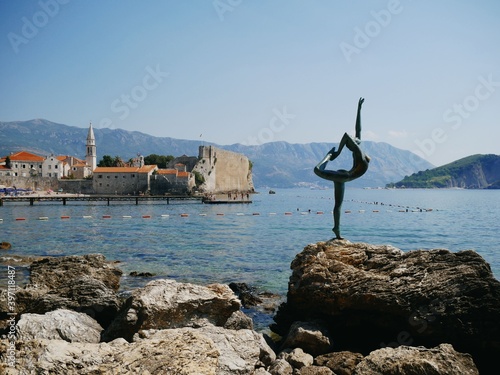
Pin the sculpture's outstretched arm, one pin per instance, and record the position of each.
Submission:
(358, 119)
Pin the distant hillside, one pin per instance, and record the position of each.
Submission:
(472, 172)
(275, 164)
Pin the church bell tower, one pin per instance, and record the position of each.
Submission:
(91, 156)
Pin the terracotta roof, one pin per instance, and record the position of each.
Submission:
(167, 171)
(183, 174)
(144, 169)
(25, 156)
(4, 168)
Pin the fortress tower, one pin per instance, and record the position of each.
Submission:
(91, 155)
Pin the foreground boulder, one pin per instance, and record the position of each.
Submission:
(61, 324)
(207, 350)
(55, 272)
(85, 284)
(405, 360)
(165, 304)
(375, 296)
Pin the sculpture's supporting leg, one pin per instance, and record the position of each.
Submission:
(339, 197)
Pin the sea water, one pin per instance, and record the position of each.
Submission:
(252, 243)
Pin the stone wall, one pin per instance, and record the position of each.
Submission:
(34, 183)
(77, 186)
(175, 185)
(223, 170)
(188, 161)
(121, 183)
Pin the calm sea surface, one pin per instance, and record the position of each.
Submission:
(231, 243)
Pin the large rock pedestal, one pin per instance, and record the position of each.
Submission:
(369, 297)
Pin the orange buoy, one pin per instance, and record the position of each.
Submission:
(64, 217)
(20, 218)
(106, 216)
(288, 213)
(184, 215)
(146, 216)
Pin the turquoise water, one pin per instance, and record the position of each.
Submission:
(230, 243)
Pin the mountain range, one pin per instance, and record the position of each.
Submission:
(275, 164)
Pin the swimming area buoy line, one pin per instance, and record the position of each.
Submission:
(221, 214)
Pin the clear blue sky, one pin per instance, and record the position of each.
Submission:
(241, 71)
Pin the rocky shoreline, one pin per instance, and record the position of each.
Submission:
(351, 308)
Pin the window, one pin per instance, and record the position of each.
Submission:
(99, 176)
(50, 166)
(24, 166)
(55, 166)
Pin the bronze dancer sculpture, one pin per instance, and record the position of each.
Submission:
(341, 176)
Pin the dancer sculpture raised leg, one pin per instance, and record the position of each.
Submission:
(341, 176)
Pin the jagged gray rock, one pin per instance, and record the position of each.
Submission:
(61, 324)
(168, 304)
(83, 294)
(238, 320)
(281, 367)
(316, 370)
(312, 337)
(176, 352)
(373, 296)
(85, 283)
(406, 360)
(55, 272)
(207, 350)
(341, 363)
(297, 358)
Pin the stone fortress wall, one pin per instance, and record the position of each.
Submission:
(31, 182)
(224, 171)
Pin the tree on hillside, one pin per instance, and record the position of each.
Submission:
(119, 162)
(160, 160)
(108, 161)
(8, 163)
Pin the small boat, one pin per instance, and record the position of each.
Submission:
(272, 192)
